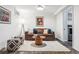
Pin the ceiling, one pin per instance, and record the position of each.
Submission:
(48, 8)
(51, 9)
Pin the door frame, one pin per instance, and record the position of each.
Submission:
(72, 24)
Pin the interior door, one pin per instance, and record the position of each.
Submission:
(65, 27)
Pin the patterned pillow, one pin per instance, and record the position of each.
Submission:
(12, 45)
(45, 31)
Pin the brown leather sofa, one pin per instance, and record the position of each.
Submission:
(48, 37)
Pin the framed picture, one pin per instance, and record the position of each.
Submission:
(39, 21)
(5, 15)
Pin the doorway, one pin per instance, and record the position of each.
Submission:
(68, 25)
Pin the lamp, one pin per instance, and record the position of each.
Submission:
(21, 21)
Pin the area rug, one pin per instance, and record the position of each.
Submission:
(50, 46)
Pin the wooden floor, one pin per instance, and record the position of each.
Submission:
(73, 51)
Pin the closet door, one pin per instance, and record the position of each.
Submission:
(67, 22)
(65, 28)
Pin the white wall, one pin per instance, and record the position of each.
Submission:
(59, 26)
(10, 30)
(76, 28)
(30, 19)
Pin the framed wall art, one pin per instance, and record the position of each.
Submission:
(40, 21)
(5, 15)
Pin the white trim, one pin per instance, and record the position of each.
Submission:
(72, 25)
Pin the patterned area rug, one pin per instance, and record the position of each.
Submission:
(48, 46)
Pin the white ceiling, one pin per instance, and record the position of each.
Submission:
(48, 8)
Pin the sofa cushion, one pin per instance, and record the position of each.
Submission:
(49, 31)
(35, 31)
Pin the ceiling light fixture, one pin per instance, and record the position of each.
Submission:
(40, 7)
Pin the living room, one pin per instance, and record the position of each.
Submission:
(31, 21)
